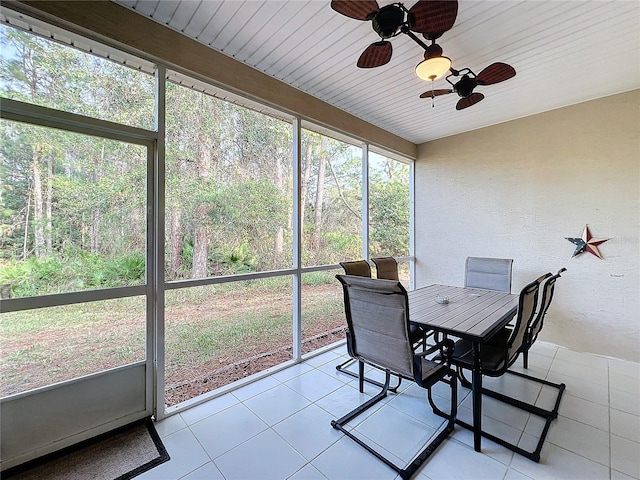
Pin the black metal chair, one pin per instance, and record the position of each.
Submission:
(497, 356)
(536, 325)
(547, 281)
(503, 335)
(377, 314)
(360, 268)
(533, 329)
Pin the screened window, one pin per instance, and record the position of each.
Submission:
(388, 207)
(76, 220)
(331, 196)
(229, 188)
(73, 211)
(43, 346)
(43, 72)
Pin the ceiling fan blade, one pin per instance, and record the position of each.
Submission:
(470, 100)
(435, 93)
(434, 17)
(360, 10)
(495, 73)
(375, 55)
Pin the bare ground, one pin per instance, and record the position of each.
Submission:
(58, 351)
(201, 383)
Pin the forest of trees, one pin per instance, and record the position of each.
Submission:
(73, 210)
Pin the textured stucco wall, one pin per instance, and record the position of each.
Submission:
(518, 189)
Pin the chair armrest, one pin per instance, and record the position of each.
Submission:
(445, 347)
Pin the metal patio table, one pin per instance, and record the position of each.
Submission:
(472, 314)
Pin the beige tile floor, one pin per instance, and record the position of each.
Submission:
(279, 427)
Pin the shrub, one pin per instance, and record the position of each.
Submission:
(52, 274)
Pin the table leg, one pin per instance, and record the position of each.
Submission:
(476, 392)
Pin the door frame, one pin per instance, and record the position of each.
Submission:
(46, 419)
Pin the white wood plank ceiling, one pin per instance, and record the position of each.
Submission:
(564, 52)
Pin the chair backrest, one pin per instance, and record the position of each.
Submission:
(377, 314)
(386, 268)
(488, 273)
(526, 309)
(361, 268)
(547, 295)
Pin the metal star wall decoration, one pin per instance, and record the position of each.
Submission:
(586, 243)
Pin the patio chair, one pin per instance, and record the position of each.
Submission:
(547, 282)
(496, 358)
(360, 268)
(536, 325)
(378, 318)
(387, 268)
(503, 335)
(488, 273)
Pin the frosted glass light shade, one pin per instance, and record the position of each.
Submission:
(433, 68)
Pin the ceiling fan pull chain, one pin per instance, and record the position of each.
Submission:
(433, 96)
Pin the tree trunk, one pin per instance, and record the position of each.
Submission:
(317, 219)
(304, 188)
(279, 242)
(175, 226)
(26, 227)
(201, 235)
(49, 202)
(389, 169)
(175, 262)
(38, 207)
(95, 214)
(200, 244)
(94, 231)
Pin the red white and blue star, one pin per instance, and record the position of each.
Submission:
(586, 243)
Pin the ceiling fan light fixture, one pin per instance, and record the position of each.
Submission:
(433, 68)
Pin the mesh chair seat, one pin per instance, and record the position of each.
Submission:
(387, 268)
(533, 329)
(510, 349)
(491, 356)
(361, 268)
(538, 321)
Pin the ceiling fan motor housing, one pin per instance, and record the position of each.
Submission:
(434, 50)
(388, 20)
(464, 87)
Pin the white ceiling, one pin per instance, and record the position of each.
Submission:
(564, 52)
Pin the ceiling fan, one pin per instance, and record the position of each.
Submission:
(431, 19)
(494, 73)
